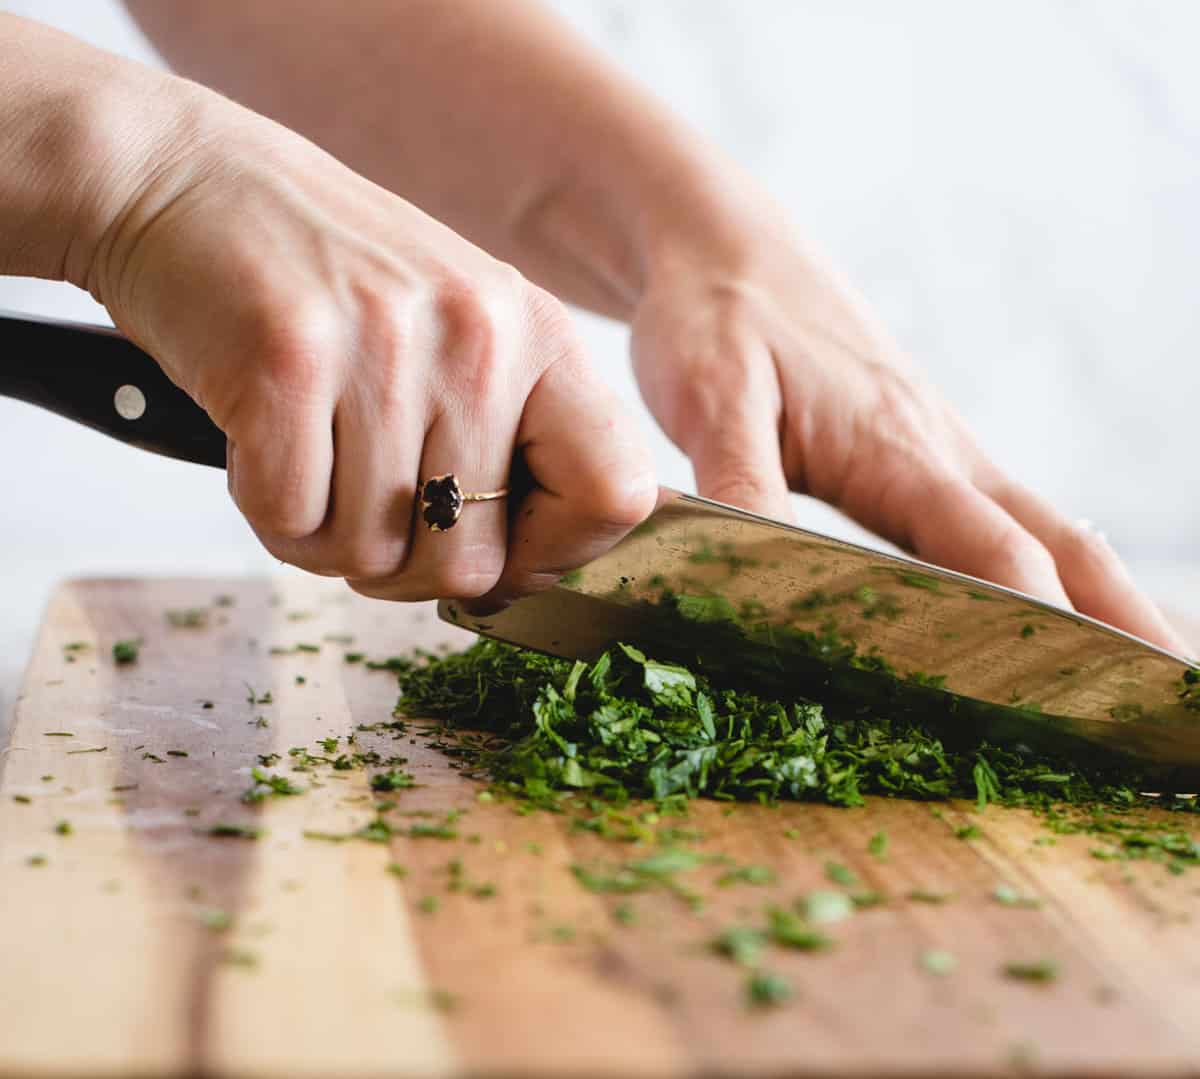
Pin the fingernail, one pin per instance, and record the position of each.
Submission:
(483, 607)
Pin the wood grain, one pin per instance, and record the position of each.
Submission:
(107, 967)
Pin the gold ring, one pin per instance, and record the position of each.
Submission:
(442, 501)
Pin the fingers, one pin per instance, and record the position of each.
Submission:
(737, 461)
(280, 470)
(375, 442)
(730, 428)
(594, 481)
(367, 531)
(475, 378)
(1094, 576)
(946, 520)
(464, 561)
(455, 400)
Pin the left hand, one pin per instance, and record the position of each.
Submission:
(767, 372)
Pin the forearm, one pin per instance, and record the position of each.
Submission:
(492, 116)
(75, 135)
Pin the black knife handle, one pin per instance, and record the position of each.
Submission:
(94, 376)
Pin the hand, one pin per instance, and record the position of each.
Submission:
(766, 371)
(349, 346)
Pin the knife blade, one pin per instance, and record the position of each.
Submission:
(780, 608)
(753, 599)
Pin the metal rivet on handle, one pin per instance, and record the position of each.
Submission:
(130, 403)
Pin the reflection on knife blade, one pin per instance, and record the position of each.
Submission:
(768, 604)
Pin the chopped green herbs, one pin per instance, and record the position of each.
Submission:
(215, 919)
(820, 907)
(658, 871)
(279, 650)
(393, 780)
(788, 930)
(840, 874)
(919, 580)
(188, 618)
(64, 827)
(741, 943)
(239, 957)
(254, 697)
(938, 962)
(267, 784)
(1010, 897)
(233, 831)
(629, 727)
(1041, 970)
(747, 874)
(920, 895)
(868, 899)
(625, 914)
(425, 830)
(622, 744)
(125, 652)
(764, 989)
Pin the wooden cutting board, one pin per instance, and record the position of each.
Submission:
(113, 962)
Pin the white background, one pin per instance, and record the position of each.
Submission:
(1014, 183)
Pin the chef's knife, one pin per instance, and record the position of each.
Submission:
(751, 599)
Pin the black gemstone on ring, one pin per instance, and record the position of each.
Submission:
(441, 502)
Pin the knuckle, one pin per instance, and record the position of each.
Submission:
(461, 306)
(292, 344)
(733, 301)
(731, 387)
(473, 327)
(738, 484)
(390, 330)
(1015, 550)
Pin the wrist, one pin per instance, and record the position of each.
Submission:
(714, 222)
(603, 239)
(75, 147)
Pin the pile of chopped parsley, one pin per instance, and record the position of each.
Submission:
(627, 727)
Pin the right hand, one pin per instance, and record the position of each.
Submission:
(350, 346)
